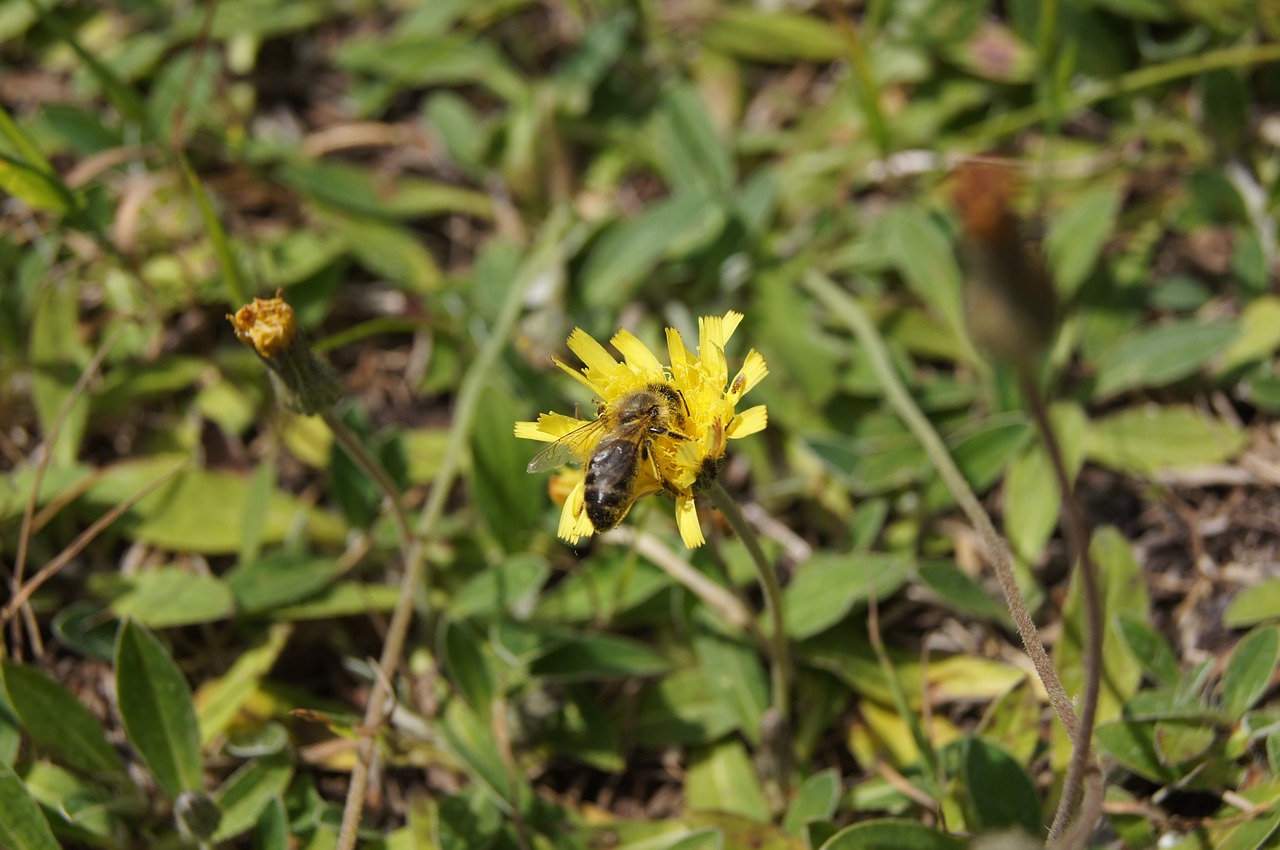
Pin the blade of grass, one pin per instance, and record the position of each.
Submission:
(237, 292)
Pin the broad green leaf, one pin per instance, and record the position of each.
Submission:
(1153, 356)
(156, 707)
(922, 253)
(358, 190)
(468, 666)
(1259, 334)
(702, 839)
(828, 586)
(999, 791)
(1032, 497)
(346, 599)
(58, 482)
(262, 483)
(1249, 672)
(1150, 647)
(392, 251)
(272, 829)
(1253, 605)
(471, 740)
(174, 596)
(58, 358)
(82, 812)
(612, 585)
(957, 591)
(982, 452)
(816, 800)
(1132, 744)
(509, 499)
(682, 708)
(490, 592)
(889, 834)
(733, 667)
(691, 153)
(40, 190)
(200, 509)
(721, 778)
(278, 579)
(249, 791)
(219, 700)
(600, 656)
(58, 723)
(772, 36)
(1146, 440)
(1181, 741)
(626, 254)
(1077, 234)
(23, 826)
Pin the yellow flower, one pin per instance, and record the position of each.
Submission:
(682, 438)
(267, 325)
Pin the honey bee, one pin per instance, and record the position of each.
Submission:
(621, 437)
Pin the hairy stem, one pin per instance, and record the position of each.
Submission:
(1076, 530)
(851, 313)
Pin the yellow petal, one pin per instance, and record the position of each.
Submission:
(680, 355)
(748, 422)
(574, 522)
(731, 321)
(592, 354)
(549, 427)
(752, 372)
(687, 522)
(636, 353)
(583, 379)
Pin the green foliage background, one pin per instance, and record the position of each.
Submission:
(409, 175)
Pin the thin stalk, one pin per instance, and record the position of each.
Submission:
(360, 456)
(851, 313)
(780, 653)
(554, 239)
(1076, 529)
(867, 86)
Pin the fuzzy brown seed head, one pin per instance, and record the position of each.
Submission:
(305, 383)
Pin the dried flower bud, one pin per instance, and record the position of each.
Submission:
(1009, 301)
(305, 383)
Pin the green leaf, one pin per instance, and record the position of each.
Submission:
(999, 791)
(490, 592)
(156, 707)
(59, 723)
(1032, 497)
(1259, 334)
(1254, 605)
(471, 741)
(1159, 355)
(1077, 234)
(982, 451)
(733, 667)
(1146, 440)
(509, 499)
(682, 708)
(272, 830)
(691, 153)
(1250, 669)
(249, 791)
(37, 189)
(1132, 744)
(200, 509)
(468, 666)
(922, 253)
(626, 254)
(826, 588)
(221, 699)
(174, 596)
(278, 579)
(889, 834)
(59, 357)
(345, 599)
(721, 778)
(1151, 648)
(237, 292)
(957, 591)
(600, 656)
(772, 36)
(816, 800)
(23, 826)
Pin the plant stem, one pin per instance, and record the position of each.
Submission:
(851, 313)
(1076, 529)
(555, 239)
(369, 465)
(780, 654)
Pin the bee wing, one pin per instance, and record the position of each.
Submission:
(568, 448)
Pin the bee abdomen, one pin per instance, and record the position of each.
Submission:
(609, 485)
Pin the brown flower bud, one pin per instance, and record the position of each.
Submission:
(304, 382)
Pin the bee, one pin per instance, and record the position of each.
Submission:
(621, 437)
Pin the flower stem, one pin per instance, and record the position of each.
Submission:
(851, 313)
(780, 667)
